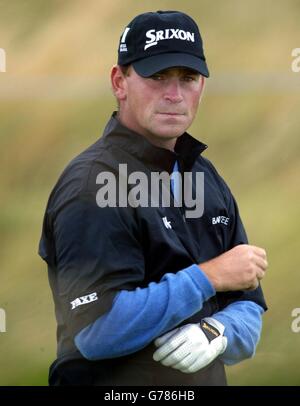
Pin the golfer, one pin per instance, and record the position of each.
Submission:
(151, 289)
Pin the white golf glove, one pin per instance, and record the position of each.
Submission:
(191, 347)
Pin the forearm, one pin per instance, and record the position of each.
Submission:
(139, 316)
(243, 323)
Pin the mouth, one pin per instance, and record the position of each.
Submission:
(173, 114)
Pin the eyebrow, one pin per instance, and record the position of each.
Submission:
(181, 70)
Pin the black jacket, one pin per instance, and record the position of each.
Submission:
(104, 250)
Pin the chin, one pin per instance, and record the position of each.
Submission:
(174, 132)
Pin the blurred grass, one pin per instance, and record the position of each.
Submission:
(252, 133)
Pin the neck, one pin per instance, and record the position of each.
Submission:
(161, 143)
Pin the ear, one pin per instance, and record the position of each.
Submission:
(202, 86)
(202, 82)
(118, 83)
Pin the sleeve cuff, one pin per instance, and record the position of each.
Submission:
(215, 323)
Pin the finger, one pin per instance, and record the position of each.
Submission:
(260, 274)
(191, 358)
(200, 362)
(162, 339)
(161, 353)
(254, 285)
(259, 251)
(176, 356)
(261, 262)
(212, 350)
(186, 362)
(168, 347)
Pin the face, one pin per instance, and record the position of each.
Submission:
(160, 107)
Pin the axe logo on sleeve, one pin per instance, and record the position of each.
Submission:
(79, 301)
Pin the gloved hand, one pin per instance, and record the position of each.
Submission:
(191, 347)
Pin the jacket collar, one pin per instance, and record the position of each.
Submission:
(187, 148)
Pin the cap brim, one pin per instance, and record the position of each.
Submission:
(149, 66)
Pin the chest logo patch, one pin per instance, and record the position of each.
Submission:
(167, 223)
(220, 220)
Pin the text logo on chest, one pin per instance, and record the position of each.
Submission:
(220, 220)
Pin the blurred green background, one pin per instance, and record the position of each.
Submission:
(54, 101)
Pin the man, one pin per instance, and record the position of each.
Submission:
(150, 294)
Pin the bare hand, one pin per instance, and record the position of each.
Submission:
(240, 268)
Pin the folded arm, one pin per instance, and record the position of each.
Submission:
(139, 316)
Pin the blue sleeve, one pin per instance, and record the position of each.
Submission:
(139, 316)
(243, 323)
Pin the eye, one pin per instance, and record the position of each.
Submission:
(157, 76)
(190, 78)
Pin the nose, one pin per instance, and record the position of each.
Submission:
(173, 91)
